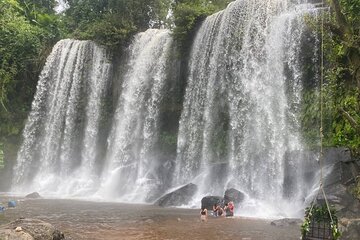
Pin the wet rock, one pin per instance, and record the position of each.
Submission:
(33, 195)
(234, 195)
(350, 228)
(209, 201)
(340, 171)
(344, 202)
(30, 229)
(285, 222)
(57, 235)
(181, 196)
(338, 154)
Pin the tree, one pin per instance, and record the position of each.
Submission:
(23, 45)
(188, 13)
(113, 22)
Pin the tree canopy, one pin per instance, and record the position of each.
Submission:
(342, 55)
(27, 32)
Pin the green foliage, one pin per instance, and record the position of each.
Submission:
(320, 214)
(113, 22)
(111, 31)
(26, 34)
(351, 9)
(188, 13)
(341, 92)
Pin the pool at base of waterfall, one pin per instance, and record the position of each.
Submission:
(99, 220)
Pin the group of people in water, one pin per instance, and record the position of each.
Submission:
(218, 211)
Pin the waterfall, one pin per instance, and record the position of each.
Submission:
(131, 161)
(58, 153)
(96, 125)
(242, 101)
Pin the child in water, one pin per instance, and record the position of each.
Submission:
(203, 214)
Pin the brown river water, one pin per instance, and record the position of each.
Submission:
(99, 220)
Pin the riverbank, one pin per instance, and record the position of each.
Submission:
(98, 220)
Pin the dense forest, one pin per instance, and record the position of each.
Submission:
(30, 28)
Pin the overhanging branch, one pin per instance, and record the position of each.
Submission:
(351, 120)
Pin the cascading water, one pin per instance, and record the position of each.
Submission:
(59, 154)
(131, 164)
(243, 95)
(60, 137)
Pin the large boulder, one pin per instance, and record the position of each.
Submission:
(34, 195)
(30, 229)
(209, 201)
(343, 171)
(181, 196)
(234, 195)
(339, 154)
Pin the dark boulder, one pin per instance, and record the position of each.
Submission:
(181, 196)
(337, 183)
(209, 201)
(233, 195)
(338, 154)
(33, 195)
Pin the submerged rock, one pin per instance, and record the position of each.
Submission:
(285, 222)
(181, 196)
(30, 229)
